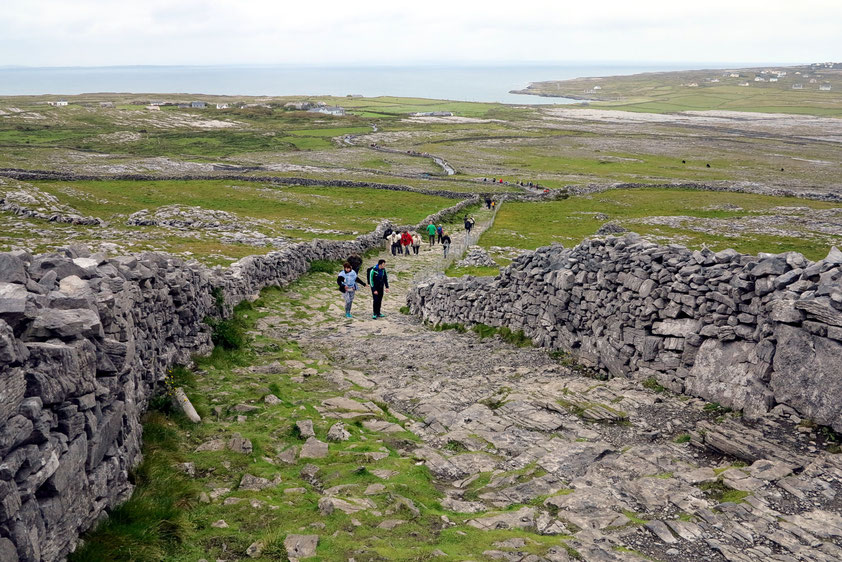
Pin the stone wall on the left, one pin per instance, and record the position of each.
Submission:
(84, 342)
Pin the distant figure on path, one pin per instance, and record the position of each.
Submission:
(431, 232)
(439, 232)
(488, 202)
(445, 242)
(378, 279)
(416, 243)
(395, 241)
(493, 204)
(348, 286)
(406, 241)
(469, 224)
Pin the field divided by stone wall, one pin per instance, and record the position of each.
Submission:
(747, 332)
(85, 341)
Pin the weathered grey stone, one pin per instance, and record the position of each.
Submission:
(305, 428)
(8, 552)
(805, 375)
(722, 372)
(313, 449)
(65, 324)
(338, 432)
(301, 546)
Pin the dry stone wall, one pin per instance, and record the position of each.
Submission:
(84, 341)
(749, 332)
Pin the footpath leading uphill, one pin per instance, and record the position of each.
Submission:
(387, 439)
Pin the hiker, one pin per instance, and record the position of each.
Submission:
(493, 204)
(469, 224)
(406, 241)
(445, 242)
(431, 232)
(488, 202)
(356, 263)
(395, 241)
(439, 232)
(379, 282)
(416, 243)
(347, 281)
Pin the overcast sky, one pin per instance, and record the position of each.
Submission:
(207, 32)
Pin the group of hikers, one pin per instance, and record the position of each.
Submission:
(407, 242)
(349, 281)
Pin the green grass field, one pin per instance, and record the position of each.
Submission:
(530, 225)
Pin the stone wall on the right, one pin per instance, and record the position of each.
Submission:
(748, 332)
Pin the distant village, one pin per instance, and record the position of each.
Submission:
(809, 77)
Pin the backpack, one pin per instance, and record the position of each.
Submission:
(388, 232)
(368, 273)
(341, 284)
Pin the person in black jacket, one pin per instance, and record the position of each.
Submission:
(379, 281)
(356, 263)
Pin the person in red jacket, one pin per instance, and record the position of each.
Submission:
(406, 241)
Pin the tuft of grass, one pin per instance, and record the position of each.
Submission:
(721, 492)
(156, 519)
(683, 438)
(484, 330)
(404, 310)
(652, 384)
(444, 326)
(716, 408)
(517, 338)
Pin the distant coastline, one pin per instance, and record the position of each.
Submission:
(459, 83)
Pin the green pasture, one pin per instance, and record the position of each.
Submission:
(353, 208)
(569, 221)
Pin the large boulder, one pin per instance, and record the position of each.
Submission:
(732, 374)
(806, 375)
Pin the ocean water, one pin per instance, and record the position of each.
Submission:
(462, 83)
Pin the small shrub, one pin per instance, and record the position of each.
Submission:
(229, 334)
(683, 438)
(404, 310)
(218, 298)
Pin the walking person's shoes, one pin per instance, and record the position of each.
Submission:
(374, 317)
(348, 315)
(381, 316)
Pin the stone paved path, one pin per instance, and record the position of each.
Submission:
(520, 440)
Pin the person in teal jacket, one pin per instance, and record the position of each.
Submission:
(431, 232)
(378, 280)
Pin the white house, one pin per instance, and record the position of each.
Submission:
(743, 84)
(759, 79)
(734, 75)
(825, 87)
(597, 87)
(328, 110)
(59, 103)
(153, 107)
(222, 106)
(798, 86)
(715, 81)
(198, 104)
(773, 79)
